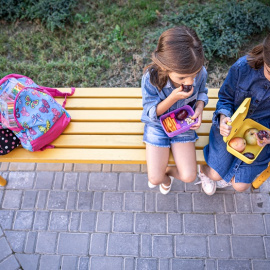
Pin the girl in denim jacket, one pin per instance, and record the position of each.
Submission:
(175, 78)
(248, 77)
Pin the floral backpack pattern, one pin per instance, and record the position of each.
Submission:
(39, 118)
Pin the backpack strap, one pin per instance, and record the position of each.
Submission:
(56, 93)
(16, 76)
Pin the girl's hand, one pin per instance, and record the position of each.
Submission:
(263, 142)
(198, 114)
(225, 129)
(178, 93)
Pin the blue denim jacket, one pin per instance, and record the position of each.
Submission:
(241, 82)
(151, 97)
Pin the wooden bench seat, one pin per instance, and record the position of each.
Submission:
(106, 128)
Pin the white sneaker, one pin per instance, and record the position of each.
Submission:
(208, 185)
(162, 186)
(222, 184)
(151, 185)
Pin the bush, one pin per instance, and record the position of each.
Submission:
(223, 26)
(53, 13)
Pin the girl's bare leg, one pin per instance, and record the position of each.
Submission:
(157, 160)
(185, 159)
(211, 173)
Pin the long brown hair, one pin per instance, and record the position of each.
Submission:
(260, 54)
(178, 50)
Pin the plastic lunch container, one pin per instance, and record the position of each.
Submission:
(239, 126)
(182, 126)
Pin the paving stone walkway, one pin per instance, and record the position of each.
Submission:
(113, 221)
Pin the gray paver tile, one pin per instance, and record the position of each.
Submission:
(16, 240)
(243, 203)
(72, 200)
(190, 187)
(223, 224)
(150, 223)
(208, 204)
(210, 265)
(146, 263)
(229, 203)
(46, 242)
(234, 265)
(140, 182)
(134, 201)
(58, 180)
(69, 263)
(129, 264)
(113, 201)
(104, 222)
(164, 264)
(97, 201)
(260, 203)
(166, 203)
(103, 181)
(29, 199)
(9, 263)
(267, 223)
(59, 221)
(50, 262)
(30, 244)
(191, 246)
(267, 246)
(75, 221)
(83, 181)
(23, 220)
(150, 202)
(4, 248)
(199, 224)
(146, 245)
(261, 265)
(219, 246)
(6, 219)
(178, 185)
(85, 199)
(185, 202)
(88, 222)
(44, 180)
(73, 243)
(42, 199)
(57, 200)
(163, 246)
(28, 261)
(41, 220)
(125, 182)
(108, 263)
(187, 264)
(98, 244)
(241, 247)
(123, 222)
(123, 245)
(70, 181)
(251, 224)
(21, 180)
(84, 263)
(12, 199)
(174, 223)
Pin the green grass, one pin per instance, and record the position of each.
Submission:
(107, 45)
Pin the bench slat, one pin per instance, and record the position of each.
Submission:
(132, 92)
(116, 115)
(113, 104)
(110, 156)
(109, 128)
(115, 141)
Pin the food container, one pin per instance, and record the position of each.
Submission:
(182, 126)
(239, 126)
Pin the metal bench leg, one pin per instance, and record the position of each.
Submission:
(3, 181)
(261, 178)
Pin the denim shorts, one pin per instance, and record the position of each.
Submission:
(156, 136)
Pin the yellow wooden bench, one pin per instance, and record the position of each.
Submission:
(106, 128)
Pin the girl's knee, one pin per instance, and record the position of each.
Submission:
(155, 179)
(189, 177)
(241, 187)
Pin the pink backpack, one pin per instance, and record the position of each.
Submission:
(31, 112)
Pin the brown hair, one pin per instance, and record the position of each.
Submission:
(178, 50)
(260, 54)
